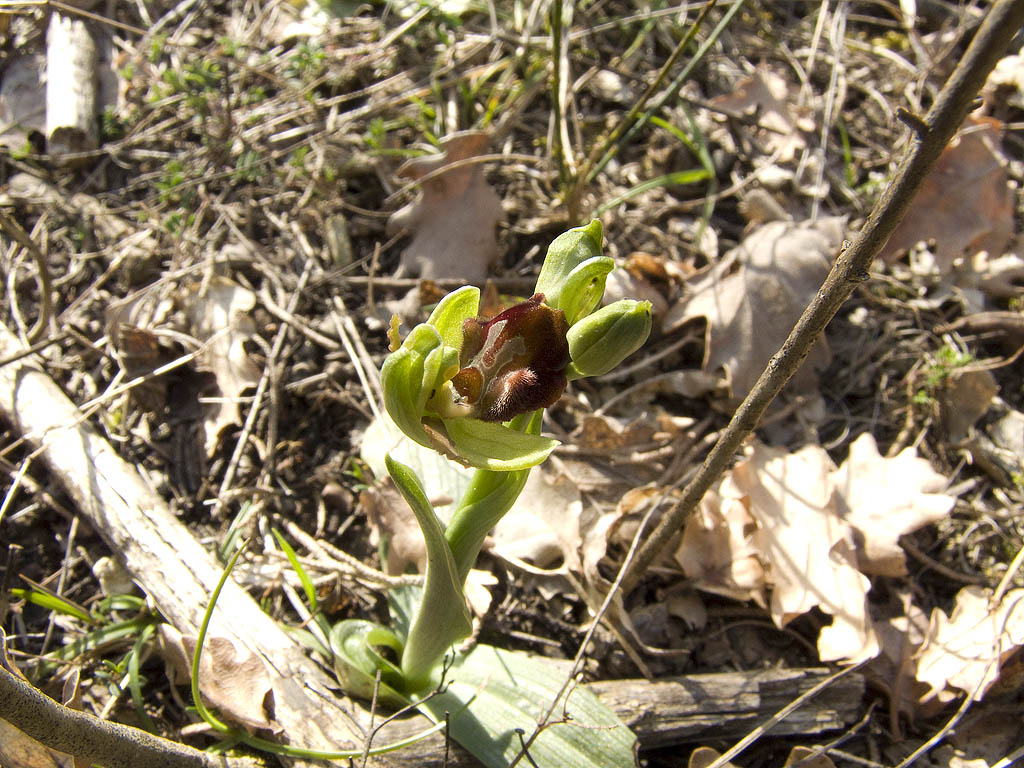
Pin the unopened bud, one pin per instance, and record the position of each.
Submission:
(573, 274)
(601, 341)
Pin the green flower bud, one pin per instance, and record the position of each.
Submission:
(601, 341)
(574, 271)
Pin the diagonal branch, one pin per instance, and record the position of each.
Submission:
(933, 133)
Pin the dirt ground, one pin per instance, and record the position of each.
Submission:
(239, 202)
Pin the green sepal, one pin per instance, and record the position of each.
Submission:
(354, 647)
(602, 340)
(442, 618)
(449, 314)
(402, 381)
(493, 446)
(574, 271)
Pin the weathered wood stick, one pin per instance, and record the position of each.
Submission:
(70, 86)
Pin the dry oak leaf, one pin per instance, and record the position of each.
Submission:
(965, 203)
(965, 650)
(219, 317)
(543, 526)
(237, 683)
(893, 669)
(453, 221)
(766, 96)
(717, 547)
(808, 547)
(752, 298)
(885, 498)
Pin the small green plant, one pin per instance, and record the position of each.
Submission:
(475, 390)
(306, 62)
(937, 371)
(156, 48)
(248, 167)
(112, 127)
(171, 183)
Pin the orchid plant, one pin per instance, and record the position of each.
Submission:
(475, 390)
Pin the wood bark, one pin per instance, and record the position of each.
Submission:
(179, 574)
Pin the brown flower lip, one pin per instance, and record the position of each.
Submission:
(514, 363)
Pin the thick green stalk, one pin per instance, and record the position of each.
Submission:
(490, 495)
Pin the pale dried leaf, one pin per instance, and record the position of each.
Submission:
(965, 204)
(220, 318)
(753, 297)
(393, 522)
(113, 578)
(543, 527)
(453, 221)
(885, 498)
(718, 549)
(781, 124)
(236, 682)
(478, 590)
(807, 547)
(702, 757)
(965, 650)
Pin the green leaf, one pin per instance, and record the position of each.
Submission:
(53, 603)
(355, 647)
(507, 691)
(493, 446)
(442, 618)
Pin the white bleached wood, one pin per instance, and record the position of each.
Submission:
(70, 86)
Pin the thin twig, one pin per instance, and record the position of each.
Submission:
(947, 113)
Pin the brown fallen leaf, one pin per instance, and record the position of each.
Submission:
(965, 650)
(766, 96)
(808, 547)
(965, 204)
(752, 298)
(793, 526)
(543, 526)
(453, 220)
(884, 498)
(893, 669)
(718, 549)
(219, 318)
(392, 522)
(237, 684)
